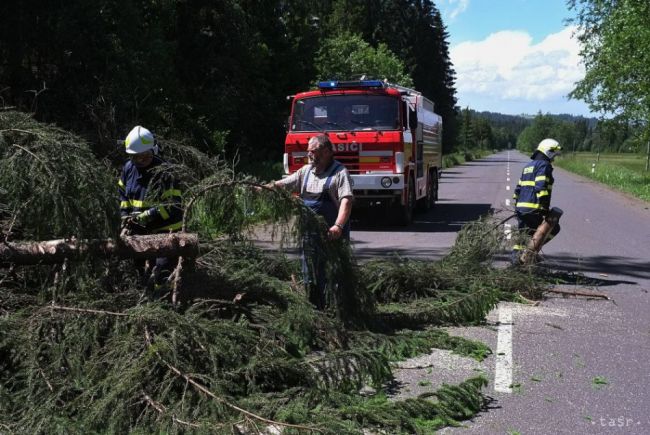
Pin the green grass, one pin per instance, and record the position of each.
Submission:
(625, 172)
(459, 157)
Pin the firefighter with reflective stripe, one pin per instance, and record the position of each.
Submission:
(325, 187)
(150, 199)
(533, 192)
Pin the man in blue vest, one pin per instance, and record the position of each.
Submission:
(325, 187)
(533, 192)
(150, 198)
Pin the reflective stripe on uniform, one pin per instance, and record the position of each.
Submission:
(542, 193)
(120, 183)
(518, 247)
(527, 205)
(527, 183)
(125, 204)
(542, 178)
(139, 204)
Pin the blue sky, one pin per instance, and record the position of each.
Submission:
(513, 56)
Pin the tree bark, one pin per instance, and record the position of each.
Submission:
(138, 247)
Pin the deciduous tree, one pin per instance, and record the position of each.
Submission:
(615, 38)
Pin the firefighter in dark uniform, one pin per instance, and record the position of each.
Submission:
(533, 192)
(150, 199)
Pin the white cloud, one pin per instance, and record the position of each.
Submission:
(453, 8)
(507, 66)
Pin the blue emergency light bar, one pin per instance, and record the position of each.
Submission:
(338, 84)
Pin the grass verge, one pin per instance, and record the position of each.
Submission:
(622, 172)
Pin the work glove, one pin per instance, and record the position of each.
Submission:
(143, 218)
(134, 223)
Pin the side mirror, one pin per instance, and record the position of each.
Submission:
(413, 119)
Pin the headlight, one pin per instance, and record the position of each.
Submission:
(386, 182)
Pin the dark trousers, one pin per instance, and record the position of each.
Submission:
(155, 273)
(314, 268)
(529, 222)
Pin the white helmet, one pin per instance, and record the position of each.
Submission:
(549, 147)
(139, 140)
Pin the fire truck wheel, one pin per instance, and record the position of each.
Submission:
(427, 203)
(404, 213)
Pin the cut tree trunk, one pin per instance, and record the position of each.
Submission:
(138, 247)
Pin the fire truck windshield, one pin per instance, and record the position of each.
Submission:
(346, 113)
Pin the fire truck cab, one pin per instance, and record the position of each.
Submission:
(387, 136)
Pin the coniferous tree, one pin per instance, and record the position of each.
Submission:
(212, 73)
(433, 73)
(466, 135)
(415, 32)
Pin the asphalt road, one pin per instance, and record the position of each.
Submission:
(570, 365)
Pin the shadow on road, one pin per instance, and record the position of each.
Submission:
(442, 218)
(430, 254)
(572, 278)
(603, 264)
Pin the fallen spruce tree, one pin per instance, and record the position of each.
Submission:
(83, 350)
(135, 247)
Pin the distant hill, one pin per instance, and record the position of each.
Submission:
(516, 123)
(513, 124)
(497, 130)
(591, 122)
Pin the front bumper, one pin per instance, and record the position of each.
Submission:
(373, 182)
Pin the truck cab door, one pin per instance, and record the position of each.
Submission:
(418, 142)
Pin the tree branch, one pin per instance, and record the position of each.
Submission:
(218, 185)
(86, 310)
(163, 411)
(579, 293)
(209, 393)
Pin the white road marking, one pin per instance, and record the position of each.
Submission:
(508, 179)
(503, 366)
(507, 187)
(507, 203)
(507, 229)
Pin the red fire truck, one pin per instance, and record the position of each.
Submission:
(387, 136)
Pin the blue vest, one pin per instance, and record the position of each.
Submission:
(324, 205)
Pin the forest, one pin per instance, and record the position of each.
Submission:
(214, 75)
(495, 131)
